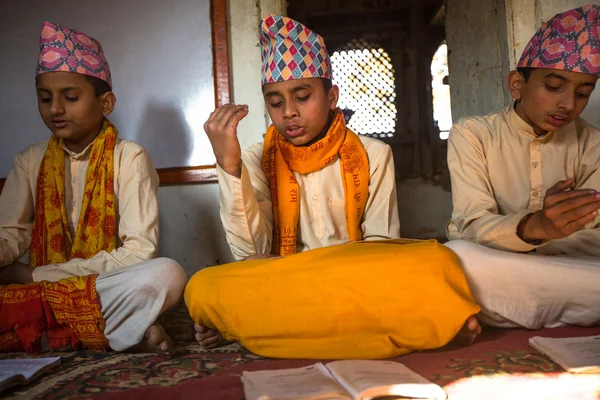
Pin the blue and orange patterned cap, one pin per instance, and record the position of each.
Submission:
(569, 41)
(289, 50)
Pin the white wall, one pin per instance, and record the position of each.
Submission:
(191, 230)
(164, 92)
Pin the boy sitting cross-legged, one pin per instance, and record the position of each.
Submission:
(84, 204)
(323, 200)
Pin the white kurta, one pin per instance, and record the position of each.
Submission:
(132, 288)
(135, 184)
(247, 214)
(500, 173)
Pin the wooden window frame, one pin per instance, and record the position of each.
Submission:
(221, 77)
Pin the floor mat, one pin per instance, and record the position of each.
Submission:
(194, 373)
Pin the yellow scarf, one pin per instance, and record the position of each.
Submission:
(280, 158)
(51, 240)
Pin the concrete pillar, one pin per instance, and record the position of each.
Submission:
(477, 56)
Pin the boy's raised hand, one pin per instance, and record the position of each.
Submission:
(221, 128)
(564, 213)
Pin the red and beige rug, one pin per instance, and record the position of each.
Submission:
(194, 373)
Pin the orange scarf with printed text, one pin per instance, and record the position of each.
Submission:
(51, 240)
(280, 158)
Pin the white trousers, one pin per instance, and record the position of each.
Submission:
(531, 290)
(132, 298)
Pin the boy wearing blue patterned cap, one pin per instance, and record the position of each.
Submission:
(312, 182)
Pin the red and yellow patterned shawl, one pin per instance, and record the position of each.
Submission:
(51, 240)
(68, 310)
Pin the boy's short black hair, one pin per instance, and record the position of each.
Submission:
(100, 86)
(327, 84)
(526, 72)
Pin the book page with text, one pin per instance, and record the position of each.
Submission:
(290, 384)
(575, 354)
(366, 379)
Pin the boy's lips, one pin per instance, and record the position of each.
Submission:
(294, 131)
(558, 119)
(59, 123)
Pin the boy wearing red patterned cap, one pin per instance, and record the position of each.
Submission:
(83, 203)
(526, 179)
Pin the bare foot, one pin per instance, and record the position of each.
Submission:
(156, 341)
(467, 333)
(209, 338)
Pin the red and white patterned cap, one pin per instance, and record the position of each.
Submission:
(569, 41)
(64, 49)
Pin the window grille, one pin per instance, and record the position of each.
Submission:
(364, 73)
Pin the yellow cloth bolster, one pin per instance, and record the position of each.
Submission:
(375, 299)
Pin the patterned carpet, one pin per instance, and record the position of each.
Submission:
(194, 373)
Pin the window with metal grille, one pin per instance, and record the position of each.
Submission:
(364, 73)
(442, 113)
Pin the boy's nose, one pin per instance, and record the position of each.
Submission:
(289, 111)
(56, 108)
(567, 101)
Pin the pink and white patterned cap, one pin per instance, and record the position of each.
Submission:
(569, 41)
(289, 50)
(68, 50)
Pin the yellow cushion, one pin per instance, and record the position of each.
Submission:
(374, 299)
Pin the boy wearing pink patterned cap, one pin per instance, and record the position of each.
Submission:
(83, 203)
(526, 179)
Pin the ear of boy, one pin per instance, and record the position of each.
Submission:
(515, 83)
(221, 129)
(565, 212)
(108, 101)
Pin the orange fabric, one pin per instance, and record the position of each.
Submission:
(68, 311)
(370, 299)
(51, 240)
(280, 158)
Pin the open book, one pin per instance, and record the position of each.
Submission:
(575, 354)
(348, 380)
(21, 371)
